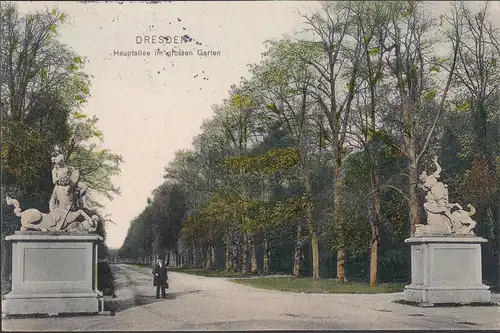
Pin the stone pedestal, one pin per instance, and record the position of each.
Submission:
(53, 274)
(446, 270)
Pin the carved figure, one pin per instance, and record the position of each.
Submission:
(65, 179)
(53, 221)
(440, 218)
(437, 206)
(67, 205)
(462, 222)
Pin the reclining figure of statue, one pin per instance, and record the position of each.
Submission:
(440, 218)
(57, 220)
(65, 211)
(462, 222)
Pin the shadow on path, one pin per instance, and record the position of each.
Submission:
(139, 300)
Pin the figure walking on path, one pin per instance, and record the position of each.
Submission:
(160, 278)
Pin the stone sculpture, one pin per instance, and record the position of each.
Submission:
(445, 253)
(65, 212)
(443, 218)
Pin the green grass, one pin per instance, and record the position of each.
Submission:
(327, 286)
(201, 272)
(197, 271)
(206, 272)
(143, 265)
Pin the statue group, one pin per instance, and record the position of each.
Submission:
(68, 204)
(443, 218)
(446, 266)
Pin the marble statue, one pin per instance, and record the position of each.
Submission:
(443, 218)
(65, 212)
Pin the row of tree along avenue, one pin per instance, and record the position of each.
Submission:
(310, 165)
(43, 91)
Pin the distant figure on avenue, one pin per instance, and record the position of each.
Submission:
(160, 278)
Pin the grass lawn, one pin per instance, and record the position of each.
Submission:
(143, 265)
(202, 272)
(206, 272)
(308, 285)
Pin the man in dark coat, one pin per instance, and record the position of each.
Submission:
(160, 278)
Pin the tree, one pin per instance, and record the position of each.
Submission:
(96, 165)
(476, 101)
(42, 84)
(328, 133)
(284, 92)
(337, 68)
(410, 48)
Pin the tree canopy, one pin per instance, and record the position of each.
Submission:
(310, 165)
(44, 90)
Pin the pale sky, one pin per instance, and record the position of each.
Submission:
(145, 115)
(151, 106)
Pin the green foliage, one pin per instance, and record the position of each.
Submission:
(272, 107)
(241, 101)
(159, 224)
(464, 107)
(269, 155)
(97, 166)
(430, 95)
(274, 160)
(434, 69)
(287, 210)
(42, 83)
(374, 51)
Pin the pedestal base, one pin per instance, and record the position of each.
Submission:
(53, 274)
(446, 270)
(54, 305)
(432, 296)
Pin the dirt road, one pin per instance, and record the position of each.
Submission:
(200, 303)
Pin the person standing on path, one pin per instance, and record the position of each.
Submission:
(160, 278)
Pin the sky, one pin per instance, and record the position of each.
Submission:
(150, 106)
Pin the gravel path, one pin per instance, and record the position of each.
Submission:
(201, 303)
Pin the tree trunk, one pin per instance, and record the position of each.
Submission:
(410, 144)
(253, 259)
(193, 256)
(228, 257)
(298, 252)
(373, 261)
(341, 265)
(338, 219)
(309, 217)
(315, 254)
(213, 262)
(412, 193)
(207, 257)
(235, 257)
(200, 256)
(244, 255)
(236, 251)
(375, 227)
(266, 257)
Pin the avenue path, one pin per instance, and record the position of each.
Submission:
(201, 303)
